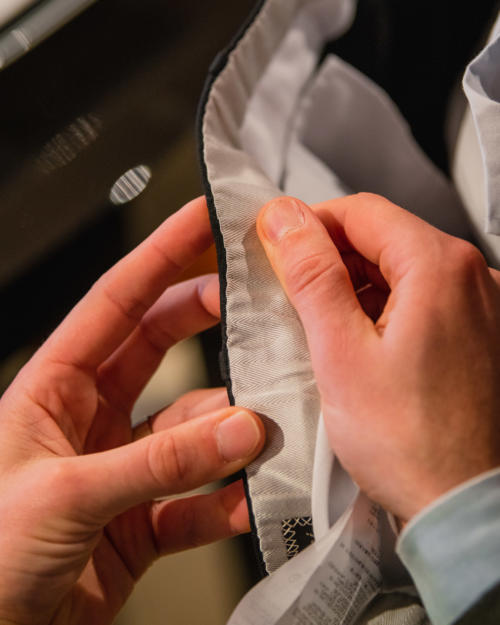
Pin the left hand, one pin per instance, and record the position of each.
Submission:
(79, 524)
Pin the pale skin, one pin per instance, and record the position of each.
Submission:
(79, 520)
(409, 367)
(402, 323)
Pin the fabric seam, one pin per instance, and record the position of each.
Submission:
(217, 66)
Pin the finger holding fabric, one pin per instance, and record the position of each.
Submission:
(409, 397)
(189, 406)
(96, 330)
(78, 525)
(183, 523)
(183, 310)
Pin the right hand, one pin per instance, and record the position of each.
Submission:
(408, 368)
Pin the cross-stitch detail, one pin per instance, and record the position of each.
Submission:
(297, 534)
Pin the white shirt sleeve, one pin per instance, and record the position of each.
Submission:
(452, 548)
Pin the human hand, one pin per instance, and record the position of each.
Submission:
(403, 326)
(79, 525)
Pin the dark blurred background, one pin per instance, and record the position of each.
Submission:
(115, 89)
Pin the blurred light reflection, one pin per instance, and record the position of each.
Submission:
(130, 185)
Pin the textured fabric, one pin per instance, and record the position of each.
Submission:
(269, 364)
(475, 166)
(274, 122)
(394, 609)
(453, 548)
(469, 176)
(482, 87)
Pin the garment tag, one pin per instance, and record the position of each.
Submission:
(329, 583)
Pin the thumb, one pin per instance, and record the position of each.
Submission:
(169, 462)
(311, 271)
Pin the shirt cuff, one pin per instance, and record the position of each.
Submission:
(452, 548)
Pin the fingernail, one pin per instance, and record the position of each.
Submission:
(280, 217)
(237, 436)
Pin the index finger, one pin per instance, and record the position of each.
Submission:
(115, 304)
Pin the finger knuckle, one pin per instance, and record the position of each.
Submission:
(156, 334)
(167, 461)
(370, 198)
(367, 200)
(129, 306)
(313, 274)
(466, 258)
(62, 483)
(191, 527)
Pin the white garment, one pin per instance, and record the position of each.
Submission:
(272, 123)
(476, 167)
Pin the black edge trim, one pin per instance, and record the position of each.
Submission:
(215, 69)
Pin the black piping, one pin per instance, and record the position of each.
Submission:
(216, 67)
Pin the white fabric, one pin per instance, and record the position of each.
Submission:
(268, 357)
(352, 126)
(482, 87)
(265, 130)
(270, 127)
(476, 168)
(452, 548)
(333, 491)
